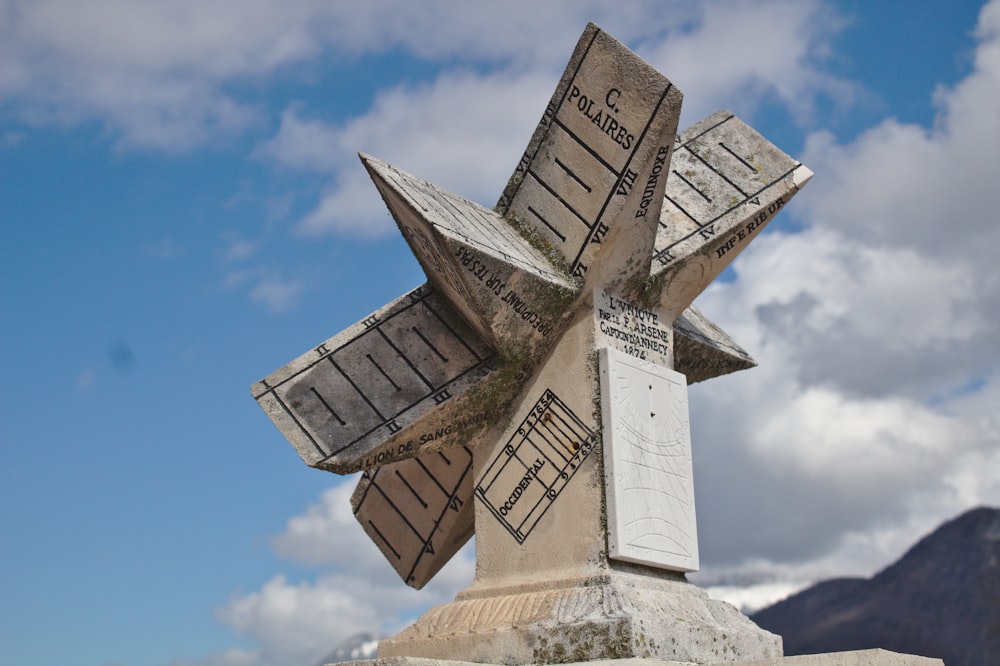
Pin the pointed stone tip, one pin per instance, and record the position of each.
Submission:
(370, 160)
(375, 167)
(801, 176)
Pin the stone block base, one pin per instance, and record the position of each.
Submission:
(856, 658)
(613, 616)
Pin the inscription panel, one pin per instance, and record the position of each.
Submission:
(632, 329)
(538, 461)
(647, 464)
(418, 511)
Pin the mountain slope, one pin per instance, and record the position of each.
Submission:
(941, 599)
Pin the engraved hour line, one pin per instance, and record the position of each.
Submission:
(681, 209)
(414, 300)
(572, 174)
(358, 389)
(460, 225)
(447, 462)
(327, 456)
(444, 511)
(431, 476)
(428, 343)
(554, 428)
(534, 428)
(543, 499)
(685, 145)
(370, 475)
(718, 217)
(716, 171)
(743, 161)
(384, 540)
(396, 509)
(301, 426)
(527, 439)
(327, 405)
(415, 493)
(561, 92)
(379, 368)
(556, 449)
(407, 361)
(458, 337)
(691, 185)
(488, 229)
(546, 223)
(640, 140)
(586, 146)
(558, 198)
(709, 129)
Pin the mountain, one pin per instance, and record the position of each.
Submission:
(356, 647)
(941, 599)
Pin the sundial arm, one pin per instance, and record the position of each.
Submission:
(726, 183)
(393, 385)
(418, 512)
(505, 288)
(703, 351)
(592, 177)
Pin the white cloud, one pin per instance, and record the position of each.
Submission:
(742, 54)
(456, 130)
(164, 75)
(300, 622)
(872, 415)
(751, 598)
(277, 293)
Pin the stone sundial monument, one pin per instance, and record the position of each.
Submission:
(534, 390)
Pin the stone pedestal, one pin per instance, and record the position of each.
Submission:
(855, 658)
(617, 615)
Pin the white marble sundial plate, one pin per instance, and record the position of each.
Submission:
(647, 463)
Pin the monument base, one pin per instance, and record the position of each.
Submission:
(613, 615)
(856, 658)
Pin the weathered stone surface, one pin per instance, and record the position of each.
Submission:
(418, 511)
(854, 658)
(647, 463)
(595, 165)
(387, 516)
(726, 184)
(613, 616)
(632, 329)
(702, 350)
(503, 353)
(372, 393)
(502, 285)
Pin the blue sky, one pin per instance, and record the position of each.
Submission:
(183, 212)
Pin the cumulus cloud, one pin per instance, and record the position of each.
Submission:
(872, 415)
(740, 55)
(456, 130)
(453, 131)
(302, 621)
(277, 293)
(173, 75)
(868, 421)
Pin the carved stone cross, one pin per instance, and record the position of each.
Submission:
(534, 390)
